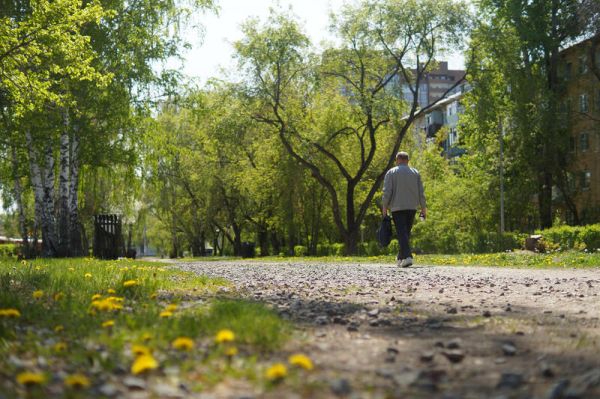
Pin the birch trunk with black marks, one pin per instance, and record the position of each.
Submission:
(36, 184)
(62, 216)
(50, 244)
(75, 231)
(18, 192)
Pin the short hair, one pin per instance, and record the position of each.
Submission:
(402, 155)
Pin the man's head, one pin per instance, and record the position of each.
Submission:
(402, 158)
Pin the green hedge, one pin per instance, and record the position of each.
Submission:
(8, 250)
(300, 250)
(573, 237)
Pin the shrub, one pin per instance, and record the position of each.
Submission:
(338, 249)
(300, 250)
(573, 237)
(323, 249)
(373, 249)
(8, 250)
(393, 248)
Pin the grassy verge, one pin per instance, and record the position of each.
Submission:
(70, 328)
(567, 259)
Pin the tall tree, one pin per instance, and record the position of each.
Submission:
(340, 115)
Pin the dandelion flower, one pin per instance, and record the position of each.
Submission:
(88, 275)
(153, 295)
(166, 313)
(140, 350)
(58, 328)
(183, 343)
(95, 297)
(28, 378)
(71, 269)
(276, 372)
(108, 324)
(58, 296)
(10, 313)
(144, 363)
(130, 283)
(111, 291)
(60, 347)
(301, 360)
(38, 294)
(24, 262)
(224, 336)
(171, 308)
(77, 381)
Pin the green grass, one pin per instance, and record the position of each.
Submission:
(520, 259)
(63, 328)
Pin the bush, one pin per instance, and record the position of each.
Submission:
(300, 250)
(393, 248)
(8, 250)
(573, 237)
(373, 249)
(338, 249)
(323, 249)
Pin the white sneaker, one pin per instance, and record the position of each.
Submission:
(399, 262)
(406, 262)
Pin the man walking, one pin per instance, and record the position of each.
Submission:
(402, 193)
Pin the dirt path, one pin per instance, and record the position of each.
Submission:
(377, 331)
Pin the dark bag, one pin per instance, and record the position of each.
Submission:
(384, 232)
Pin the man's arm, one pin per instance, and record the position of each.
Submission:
(387, 194)
(422, 199)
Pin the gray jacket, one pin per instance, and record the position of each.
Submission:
(403, 189)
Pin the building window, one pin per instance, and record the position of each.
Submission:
(584, 142)
(568, 70)
(586, 180)
(583, 66)
(583, 103)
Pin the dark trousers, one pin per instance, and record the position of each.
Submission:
(403, 220)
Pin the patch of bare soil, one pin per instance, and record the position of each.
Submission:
(377, 331)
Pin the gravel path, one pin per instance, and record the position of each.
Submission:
(432, 332)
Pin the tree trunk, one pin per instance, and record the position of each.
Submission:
(18, 191)
(237, 240)
(62, 217)
(263, 241)
(351, 240)
(545, 200)
(75, 228)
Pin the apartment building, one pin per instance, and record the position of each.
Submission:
(581, 113)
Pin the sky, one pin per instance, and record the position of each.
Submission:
(215, 49)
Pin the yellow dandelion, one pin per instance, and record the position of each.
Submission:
(276, 372)
(24, 262)
(10, 313)
(108, 324)
(58, 296)
(58, 328)
(88, 275)
(111, 291)
(183, 343)
(144, 363)
(224, 336)
(71, 269)
(77, 381)
(37, 294)
(60, 347)
(153, 295)
(301, 360)
(171, 308)
(231, 351)
(130, 283)
(140, 350)
(95, 297)
(28, 378)
(166, 313)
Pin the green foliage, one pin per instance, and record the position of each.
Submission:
(300, 250)
(573, 237)
(338, 249)
(8, 250)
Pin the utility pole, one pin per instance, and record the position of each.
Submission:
(501, 175)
